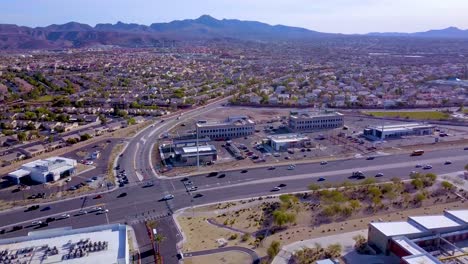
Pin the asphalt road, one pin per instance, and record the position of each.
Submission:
(142, 203)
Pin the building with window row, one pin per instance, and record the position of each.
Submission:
(232, 127)
(304, 121)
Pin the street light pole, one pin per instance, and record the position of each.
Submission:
(198, 153)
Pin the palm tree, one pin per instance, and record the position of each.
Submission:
(159, 238)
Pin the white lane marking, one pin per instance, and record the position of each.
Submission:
(140, 177)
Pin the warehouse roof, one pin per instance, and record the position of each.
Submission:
(396, 228)
(434, 221)
(459, 214)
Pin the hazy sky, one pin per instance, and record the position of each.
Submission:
(345, 16)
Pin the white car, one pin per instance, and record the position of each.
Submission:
(291, 167)
(323, 163)
(427, 167)
(95, 209)
(276, 189)
(168, 197)
(36, 222)
(89, 162)
(103, 211)
(64, 216)
(68, 180)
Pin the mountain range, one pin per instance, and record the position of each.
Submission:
(76, 35)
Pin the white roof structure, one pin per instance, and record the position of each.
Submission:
(287, 138)
(19, 173)
(420, 259)
(434, 221)
(205, 148)
(112, 240)
(402, 127)
(396, 228)
(459, 214)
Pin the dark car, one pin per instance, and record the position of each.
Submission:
(370, 158)
(198, 195)
(122, 195)
(50, 219)
(213, 174)
(243, 171)
(221, 176)
(32, 208)
(321, 179)
(282, 185)
(47, 208)
(184, 179)
(17, 227)
(2, 231)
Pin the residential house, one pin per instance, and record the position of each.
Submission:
(33, 151)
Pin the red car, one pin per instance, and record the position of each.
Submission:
(97, 196)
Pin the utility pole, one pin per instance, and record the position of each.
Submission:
(198, 153)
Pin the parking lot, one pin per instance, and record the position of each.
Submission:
(326, 144)
(88, 177)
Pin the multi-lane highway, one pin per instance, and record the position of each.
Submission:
(142, 203)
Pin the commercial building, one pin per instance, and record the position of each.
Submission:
(232, 127)
(47, 170)
(185, 152)
(422, 238)
(397, 131)
(286, 141)
(98, 244)
(303, 121)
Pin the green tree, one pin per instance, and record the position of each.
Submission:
(85, 137)
(417, 183)
(355, 204)
(447, 185)
(273, 249)
(131, 121)
(22, 136)
(282, 218)
(419, 197)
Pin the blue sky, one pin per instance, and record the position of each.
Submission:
(344, 16)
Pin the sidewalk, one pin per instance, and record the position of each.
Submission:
(345, 239)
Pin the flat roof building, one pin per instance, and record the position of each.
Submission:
(97, 244)
(232, 127)
(184, 153)
(285, 141)
(413, 239)
(398, 131)
(46, 170)
(302, 121)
